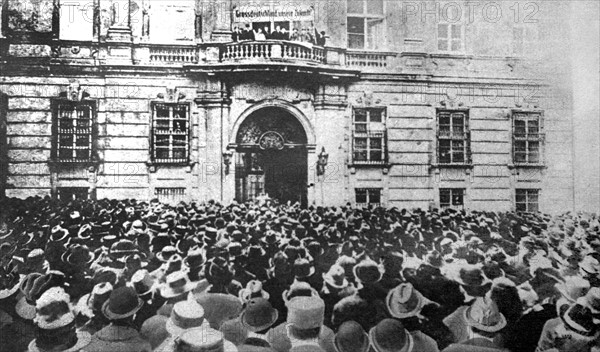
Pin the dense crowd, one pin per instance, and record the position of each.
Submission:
(130, 275)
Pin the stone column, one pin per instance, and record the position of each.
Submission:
(213, 99)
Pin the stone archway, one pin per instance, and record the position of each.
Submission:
(271, 158)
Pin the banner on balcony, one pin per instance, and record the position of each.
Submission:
(284, 12)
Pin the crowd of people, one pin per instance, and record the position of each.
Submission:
(304, 35)
(127, 275)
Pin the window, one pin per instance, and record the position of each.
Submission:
(170, 195)
(453, 138)
(170, 133)
(172, 21)
(527, 138)
(368, 196)
(72, 193)
(452, 197)
(369, 136)
(73, 131)
(525, 40)
(366, 24)
(527, 200)
(451, 37)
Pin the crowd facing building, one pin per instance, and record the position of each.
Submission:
(436, 104)
(128, 275)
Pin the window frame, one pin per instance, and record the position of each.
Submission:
(153, 159)
(466, 138)
(451, 195)
(528, 192)
(450, 39)
(168, 195)
(73, 191)
(368, 195)
(57, 134)
(540, 138)
(366, 16)
(369, 135)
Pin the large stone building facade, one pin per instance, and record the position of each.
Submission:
(408, 104)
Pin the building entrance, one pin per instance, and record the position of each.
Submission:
(271, 157)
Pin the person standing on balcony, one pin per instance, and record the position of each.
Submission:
(235, 35)
(305, 36)
(284, 34)
(276, 35)
(267, 33)
(321, 38)
(248, 33)
(295, 37)
(259, 35)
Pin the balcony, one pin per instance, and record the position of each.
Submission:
(272, 50)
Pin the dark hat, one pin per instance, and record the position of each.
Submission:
(166, 253)
(303, 268)
(259, 315)
(388, 335)
(194, 258)
(471, 277)
(123, 248)
(580, 319)
(58, 234)
(351, 338)
(368, 271)
(123, 303)
(78, 255)
(219, 270)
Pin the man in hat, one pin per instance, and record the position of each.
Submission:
(389, 335)
(351, 338)
(303, 327)
(55, 321)
(484, 323)
(573, 331)
(120, 335)
(366, 306)
(184, 316)
(335, 288)
(177, 288)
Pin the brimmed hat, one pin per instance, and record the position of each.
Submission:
(472, 277)
(123, 248)
(253, 289)
(368, 271)
(166, 253)
(142, 282)
(202, 340)
(405, 301)
(123, 303)
(305, 312)
(303, 268)
(194, 257)
(178, 283)
(95, 300)
(83, 339)
(53, 309)
(11, 281)
(299, 289)
(58, 234)
(32, 288)
(219, 270)
(336, 277)
(185, 315)
(351, 338)
(390, 335)
(573, 287)
(259, 315)
(78, 255)
(580, 319)
(484, 315)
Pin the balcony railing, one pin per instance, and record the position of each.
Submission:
(269, 50)
(363, 59)
(170, 54)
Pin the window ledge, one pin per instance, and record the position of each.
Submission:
(452, 166)
(153, 165)
(92, 165)
(527, 166)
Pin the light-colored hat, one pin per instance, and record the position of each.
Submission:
(142, 282)
(573, 287)
(336, 277)
(203, 340)
(253, 290)
(405, 301)
(306, 312)
(185, 315)
(484, 315)
(53, 309)
(178, 283)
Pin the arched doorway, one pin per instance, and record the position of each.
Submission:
(271, 156)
